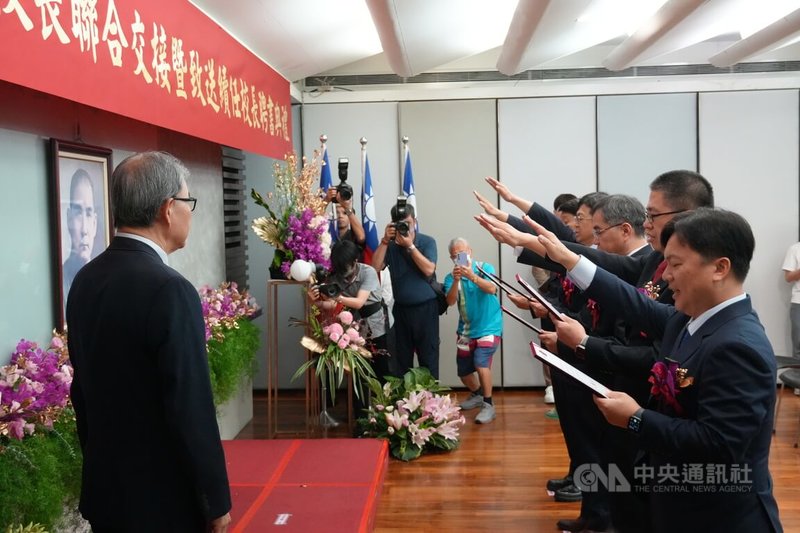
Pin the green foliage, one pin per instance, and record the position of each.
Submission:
(232, 359)
(38, 475)
(414, 380)
(30, 528)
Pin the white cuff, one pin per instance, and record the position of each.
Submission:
(518, 250)
(582, 273)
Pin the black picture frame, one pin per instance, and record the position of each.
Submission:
(81, 210)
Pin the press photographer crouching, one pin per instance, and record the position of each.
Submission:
(355, 286)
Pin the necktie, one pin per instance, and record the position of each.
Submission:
(683, 337)
(659, 271)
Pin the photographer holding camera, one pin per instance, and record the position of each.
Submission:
(480, 326)
(355, 286)
(348, 225)
(411, 258)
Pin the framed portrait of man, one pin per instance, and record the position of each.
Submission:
(83, 227)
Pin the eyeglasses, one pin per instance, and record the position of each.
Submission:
(598, 232)
(581, 218)
(190, 199)
(650, 216)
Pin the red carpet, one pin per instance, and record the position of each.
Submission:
(305, 485)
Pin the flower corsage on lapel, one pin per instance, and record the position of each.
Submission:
(666, 380)
(651, 290)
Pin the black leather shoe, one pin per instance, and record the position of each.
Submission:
(558, 484)
(580, 524)
(568, 494)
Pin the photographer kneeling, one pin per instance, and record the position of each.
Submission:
(355, 286)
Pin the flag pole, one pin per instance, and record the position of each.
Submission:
(363, 141)
(403, 161)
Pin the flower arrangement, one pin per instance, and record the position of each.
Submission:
(295, 224)
(40, 465)
(410, 414)
(231, 338)
(340, 347)
(666, 380)
(34, 387)
(224, 307)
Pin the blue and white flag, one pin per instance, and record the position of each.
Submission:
(325, 183)
(408, 183)
(368, 211)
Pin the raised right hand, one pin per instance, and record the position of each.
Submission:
(501, 189)
(555, 248)
(501, 231)
(490, 208)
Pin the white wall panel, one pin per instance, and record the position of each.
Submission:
(642, 136)
(453, 146)
(345, 124)
(546, 147)
(749, 153)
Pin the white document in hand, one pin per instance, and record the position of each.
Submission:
(555, 361)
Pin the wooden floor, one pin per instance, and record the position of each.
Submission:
(495, 480)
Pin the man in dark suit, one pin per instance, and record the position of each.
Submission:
(152, 456)
(671, 193)
(708, 425)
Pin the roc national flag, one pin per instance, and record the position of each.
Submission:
(368, 212)
(325, 183)
(408, 183)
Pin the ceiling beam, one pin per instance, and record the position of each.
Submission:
(526, 19)
(665, 19)
(765, 39)
(384, 16)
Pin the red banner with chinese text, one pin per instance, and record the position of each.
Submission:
(164, 63)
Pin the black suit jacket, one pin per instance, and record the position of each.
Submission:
(152, 456)
(727, 414)
(632, 359)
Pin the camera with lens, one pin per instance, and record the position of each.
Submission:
(329, 290)
(344, 190)
(326, 288)
(399, 213)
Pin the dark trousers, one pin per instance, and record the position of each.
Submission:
(629, 510)
(416, 329)
(583, 426)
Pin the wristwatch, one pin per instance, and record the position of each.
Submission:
(351, 211)
(580, 349)
(411, 248)
(635, 421)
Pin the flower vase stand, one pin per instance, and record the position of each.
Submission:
(312, 396)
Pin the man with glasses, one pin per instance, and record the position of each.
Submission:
(670, 193)
(152, 456)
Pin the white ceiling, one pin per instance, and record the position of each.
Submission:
(318, 38)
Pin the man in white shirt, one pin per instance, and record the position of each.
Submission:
(791, 273)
